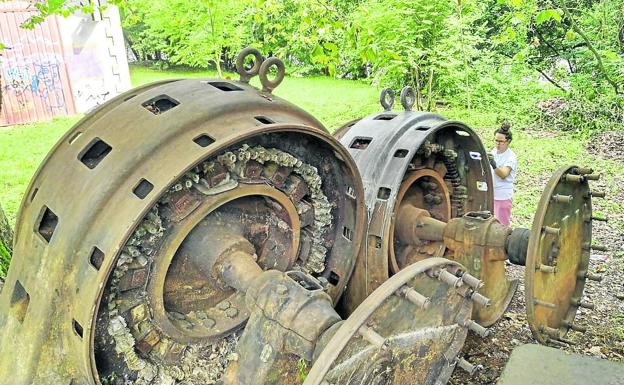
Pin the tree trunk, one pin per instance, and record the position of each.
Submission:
(6, 245)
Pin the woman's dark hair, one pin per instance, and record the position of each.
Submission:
(505, 130)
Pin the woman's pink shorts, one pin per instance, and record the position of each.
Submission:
(502, 211)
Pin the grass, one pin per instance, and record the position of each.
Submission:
(334, 102)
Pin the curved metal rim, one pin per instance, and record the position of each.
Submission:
(363, 312)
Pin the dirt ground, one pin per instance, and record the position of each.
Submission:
(605, 324)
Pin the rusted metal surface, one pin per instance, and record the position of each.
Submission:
(289, 313)
(417, 157)
(97, 230)
(477, 241)
(558, 254)
(391, 338)
(35, 83)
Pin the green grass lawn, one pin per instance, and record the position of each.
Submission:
(332, 101)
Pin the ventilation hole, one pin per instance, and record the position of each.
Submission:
(19, 301)
(423, 127)
(350, 192)
(204, 140)
(375, 241)
(47, 224)
(143, 188)
(347, 233)
(360, 143)
(160, 104)
(77, 328)
(97, 258)
(128, 98)
(94, 153)
(333, 278)
(385, 117)
(225, 86)
(383, 193)
(34, 194)
(74, 137)
(401, 153)
(264, 119)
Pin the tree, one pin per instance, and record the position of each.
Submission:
(190, 33)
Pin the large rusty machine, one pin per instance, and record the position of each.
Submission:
(204, 231)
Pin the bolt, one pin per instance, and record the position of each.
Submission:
(584, 304)
(414, 297)
(584, 170)
(476, 328)
(591, 276)
(231, 312)
(449, 279)
(472, 281)
(224, 305)
(562, 198)
(574, 178)
(480, 299)
(551, 230)
(599, 248)
(547, 269)
(573, 326)
(208, 323)
(539, 302)
(467, 366)
(592, 176)
(371, 336)
(596, 194)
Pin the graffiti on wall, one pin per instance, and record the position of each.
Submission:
(40, 80)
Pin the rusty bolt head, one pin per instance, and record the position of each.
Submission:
(208, 323)
(231, 312)
(224, 305)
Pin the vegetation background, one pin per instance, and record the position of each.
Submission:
(553, 68)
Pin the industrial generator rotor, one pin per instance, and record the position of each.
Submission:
(420, 171)
(135, 223)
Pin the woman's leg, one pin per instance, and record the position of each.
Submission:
(502, 211)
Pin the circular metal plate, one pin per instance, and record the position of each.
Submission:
(420, 344)
(558, 254)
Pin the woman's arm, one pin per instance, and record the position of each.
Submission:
(502, 172)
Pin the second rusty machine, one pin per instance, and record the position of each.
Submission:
(204, 231)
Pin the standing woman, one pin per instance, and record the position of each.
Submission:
(504, 163)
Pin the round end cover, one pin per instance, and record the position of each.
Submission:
(558, 254)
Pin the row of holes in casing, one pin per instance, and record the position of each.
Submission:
(90, 156)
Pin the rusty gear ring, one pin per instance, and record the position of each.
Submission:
(115, 176)
(558, 254)
(399, 353)
(160, 334)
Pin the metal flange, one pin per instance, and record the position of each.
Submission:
(409, 330)
(558, 254)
